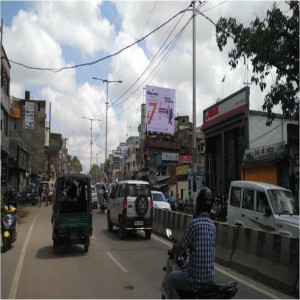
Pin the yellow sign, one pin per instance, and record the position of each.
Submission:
(183, 170)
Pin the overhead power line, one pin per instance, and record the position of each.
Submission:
(56, 70)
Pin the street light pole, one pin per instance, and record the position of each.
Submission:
(106, 103)
(91, 138)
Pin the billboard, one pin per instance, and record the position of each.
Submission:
(160, 109)
(29, 115)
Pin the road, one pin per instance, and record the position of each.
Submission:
(131, 268)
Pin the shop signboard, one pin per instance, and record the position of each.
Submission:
(185, 159)
(233, 104)
(170, 156)
(265, 153)
(183, 170)
(160, 109)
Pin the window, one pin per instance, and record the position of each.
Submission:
(4, 122)
(235, 198)
(248, 199)
(261, 201)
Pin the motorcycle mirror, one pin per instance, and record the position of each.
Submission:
(169, 233)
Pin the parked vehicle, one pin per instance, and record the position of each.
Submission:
(210, 291)
(28, 197)
(263, 206)
(9, 226)
(72, 211)
(95, 197)
(159, 200)
(189, 207)
(131, 208)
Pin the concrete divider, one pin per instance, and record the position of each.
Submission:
(269, 258)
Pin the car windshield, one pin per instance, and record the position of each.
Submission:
(133, 190)
(283, 202)
(158, 197)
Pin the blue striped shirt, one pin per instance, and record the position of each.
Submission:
(200, 238)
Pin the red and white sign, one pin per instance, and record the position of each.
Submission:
(225, 108)
(160, 109)
(185, 159)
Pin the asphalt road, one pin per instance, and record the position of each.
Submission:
(112, 268)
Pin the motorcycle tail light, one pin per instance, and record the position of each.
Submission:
(151, 202)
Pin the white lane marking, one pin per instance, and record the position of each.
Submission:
(15, 283)
(246, 283)
(224, 272)
(117, 263)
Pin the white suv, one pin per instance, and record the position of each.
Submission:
(130, 207)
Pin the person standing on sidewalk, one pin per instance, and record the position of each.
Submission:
(40, 195)
(47, 189)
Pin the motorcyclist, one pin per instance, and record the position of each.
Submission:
(199, 238)
(12, 198)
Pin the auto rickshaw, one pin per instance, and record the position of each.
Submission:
(72, 211)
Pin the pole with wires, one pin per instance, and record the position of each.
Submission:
(194, 104)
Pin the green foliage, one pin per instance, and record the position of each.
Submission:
(76, 165)
(271, 44)
(95, 172)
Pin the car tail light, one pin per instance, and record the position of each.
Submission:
(151, 202)
(125, 203)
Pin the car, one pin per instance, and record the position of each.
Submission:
(94, 197)
(160, 201)
(130, 208)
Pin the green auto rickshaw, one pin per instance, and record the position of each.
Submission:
(72, 211)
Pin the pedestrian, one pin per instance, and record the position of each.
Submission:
(40, 195)
(47, 189)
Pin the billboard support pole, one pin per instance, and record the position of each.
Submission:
(194, 101)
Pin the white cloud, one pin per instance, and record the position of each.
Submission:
(44, 35)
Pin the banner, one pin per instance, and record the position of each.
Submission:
(160, 109)
(29, 115)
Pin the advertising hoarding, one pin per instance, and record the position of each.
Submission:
(29, 115)
(160, 109)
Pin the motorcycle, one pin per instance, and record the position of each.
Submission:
(9, 227)
(103, 206)
(28, 197)
(213, 290)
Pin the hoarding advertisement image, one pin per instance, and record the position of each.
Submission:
(160, 109)
(29, 116)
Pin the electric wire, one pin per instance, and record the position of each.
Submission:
(57, 70)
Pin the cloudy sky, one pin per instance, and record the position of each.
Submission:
(56, 34)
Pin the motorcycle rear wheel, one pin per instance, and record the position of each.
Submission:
(5, 245)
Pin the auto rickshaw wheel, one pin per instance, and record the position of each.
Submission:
(86, 244)
(55, 247)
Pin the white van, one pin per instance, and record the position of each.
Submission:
(263, 206)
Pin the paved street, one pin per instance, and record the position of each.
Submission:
(111, 269)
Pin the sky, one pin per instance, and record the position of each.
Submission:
(56, 34)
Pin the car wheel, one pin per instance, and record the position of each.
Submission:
(122, 231)
(141, 204)
(148, 234)
(109, 223)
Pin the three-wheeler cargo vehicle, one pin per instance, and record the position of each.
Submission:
(72, 211)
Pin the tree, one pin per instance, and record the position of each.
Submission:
(270, 43)
(76, 165)
(95, 172)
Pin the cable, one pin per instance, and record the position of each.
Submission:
(101, 59)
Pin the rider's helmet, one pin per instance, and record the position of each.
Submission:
(204, 200)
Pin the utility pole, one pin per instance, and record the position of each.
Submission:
(194, 101)
(106, 103)
(91, 138)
